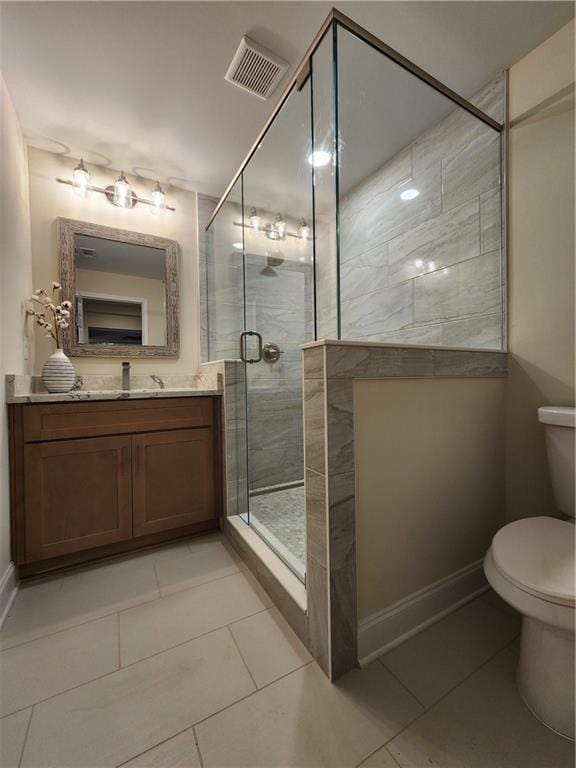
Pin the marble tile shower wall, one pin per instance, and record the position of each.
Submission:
(428, 270)
(279, 304)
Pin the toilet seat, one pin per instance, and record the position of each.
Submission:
(537, 556)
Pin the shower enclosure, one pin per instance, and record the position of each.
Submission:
(369, 209)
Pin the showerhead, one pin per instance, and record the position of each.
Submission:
(273, 259)
(269, 271)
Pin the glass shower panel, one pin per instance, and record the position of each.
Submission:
(324, 161)
(279, 305)
(224, 318)
(224, 279)
(419, 207)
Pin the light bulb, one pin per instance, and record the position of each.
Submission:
(409, 194)
(122, 192)
(255, 220)
(158, 200)
(319, 158)
(304, 230)
(280, 226)
(81, 179)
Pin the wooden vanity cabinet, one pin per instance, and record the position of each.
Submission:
(80, 492)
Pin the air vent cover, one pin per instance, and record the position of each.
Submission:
(256, 69)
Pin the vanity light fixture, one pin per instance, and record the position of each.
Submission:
(158, 198)
(81, 179)
(304, 230)
(255, 220)
(276, 230)
(123, 196)
(120, 193)
(280, 226)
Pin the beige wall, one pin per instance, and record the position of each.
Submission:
(430, 481)
(15, 282)
(540, 263)
(50, 200)
(111, 284)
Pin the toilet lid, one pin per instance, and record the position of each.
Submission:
(537, 554)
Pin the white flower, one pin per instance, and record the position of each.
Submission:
(65, 313)
(63, 324)
(56, 286)
(66, 305)
(49, 335)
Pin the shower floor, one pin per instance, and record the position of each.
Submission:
(279, 517)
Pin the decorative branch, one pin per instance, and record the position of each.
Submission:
(58, 314)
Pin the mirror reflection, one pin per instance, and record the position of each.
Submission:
(120, 292)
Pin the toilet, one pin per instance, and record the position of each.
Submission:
(530, 564)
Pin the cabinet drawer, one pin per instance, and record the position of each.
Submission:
(58, 421)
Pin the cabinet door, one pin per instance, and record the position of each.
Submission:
(173, 479)
(78, 495)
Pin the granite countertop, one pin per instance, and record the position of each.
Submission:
(28, 389)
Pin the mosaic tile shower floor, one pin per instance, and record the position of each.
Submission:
(279, 516)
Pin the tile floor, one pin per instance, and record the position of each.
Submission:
(177, 659)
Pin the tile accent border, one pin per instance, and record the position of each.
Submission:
(330, 368)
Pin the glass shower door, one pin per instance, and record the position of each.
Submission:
(279, 318)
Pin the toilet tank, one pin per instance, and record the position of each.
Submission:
(559, 424)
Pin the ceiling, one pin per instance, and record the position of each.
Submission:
(140, 85)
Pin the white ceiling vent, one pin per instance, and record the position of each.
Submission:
(256, 69)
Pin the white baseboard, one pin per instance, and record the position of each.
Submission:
(384, 630)
(8, 590)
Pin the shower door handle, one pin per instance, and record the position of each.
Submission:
(243, 347)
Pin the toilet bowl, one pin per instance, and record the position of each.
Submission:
(530, 564)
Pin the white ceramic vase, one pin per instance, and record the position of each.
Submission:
(58, 374)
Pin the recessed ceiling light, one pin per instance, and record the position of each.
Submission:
(238, 246)
(319, 158)
(409, 194)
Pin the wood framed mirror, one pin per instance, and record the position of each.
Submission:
(124, 290)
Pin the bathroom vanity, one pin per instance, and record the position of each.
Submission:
(94, 477)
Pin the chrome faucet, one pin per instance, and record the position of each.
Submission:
(126, 376)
